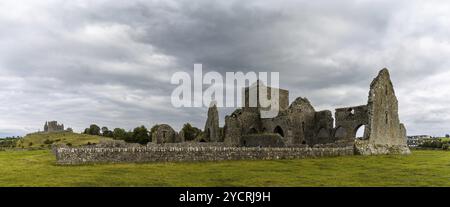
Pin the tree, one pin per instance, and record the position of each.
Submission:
(141, 135)
(106, 132)
(447, 136)
(93, 130)
(105, 129)
(119, 133)
(190, 132)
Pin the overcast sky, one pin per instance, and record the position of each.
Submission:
(110, 62)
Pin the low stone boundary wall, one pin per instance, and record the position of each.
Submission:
(84, 155)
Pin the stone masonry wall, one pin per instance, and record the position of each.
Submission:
(85, 155)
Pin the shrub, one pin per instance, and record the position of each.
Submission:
(47, 141)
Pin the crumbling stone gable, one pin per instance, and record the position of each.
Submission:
(212, 130)
(301, 116)
(165, 134)
(383, 123)
(385, 134)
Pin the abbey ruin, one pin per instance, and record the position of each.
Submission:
(297, 131)
(53, 126)
(300, 124)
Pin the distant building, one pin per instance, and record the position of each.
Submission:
(53, 126)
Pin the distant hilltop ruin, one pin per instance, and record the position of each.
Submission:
(53, 126)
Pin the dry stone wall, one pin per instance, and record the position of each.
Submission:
(174, 153)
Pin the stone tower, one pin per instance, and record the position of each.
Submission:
(212, 124)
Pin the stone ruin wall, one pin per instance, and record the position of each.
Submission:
(192, 153)
(299, 123)
(384, 133)
(297, 132)
(349, 120)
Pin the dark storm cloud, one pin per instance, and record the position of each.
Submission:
(110, 62)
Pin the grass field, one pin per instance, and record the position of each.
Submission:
(422, 168)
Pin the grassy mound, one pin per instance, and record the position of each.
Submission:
(44, 140)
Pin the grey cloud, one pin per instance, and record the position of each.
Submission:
(110, 62)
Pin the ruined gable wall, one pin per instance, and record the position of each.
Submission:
(301, 116)
(384, 124)
(165, 134)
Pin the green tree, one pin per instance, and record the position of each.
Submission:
(141, 135)
(119, 133)
(190, 132)
(94, 129)
(106, 132)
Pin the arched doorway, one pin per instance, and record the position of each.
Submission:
(279, 131)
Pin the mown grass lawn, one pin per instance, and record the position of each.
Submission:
(422, 168)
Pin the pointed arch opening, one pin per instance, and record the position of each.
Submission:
(360, 132)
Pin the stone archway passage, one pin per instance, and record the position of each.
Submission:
(279, 131)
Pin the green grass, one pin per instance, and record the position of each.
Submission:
(38, 139)
(422, 168)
